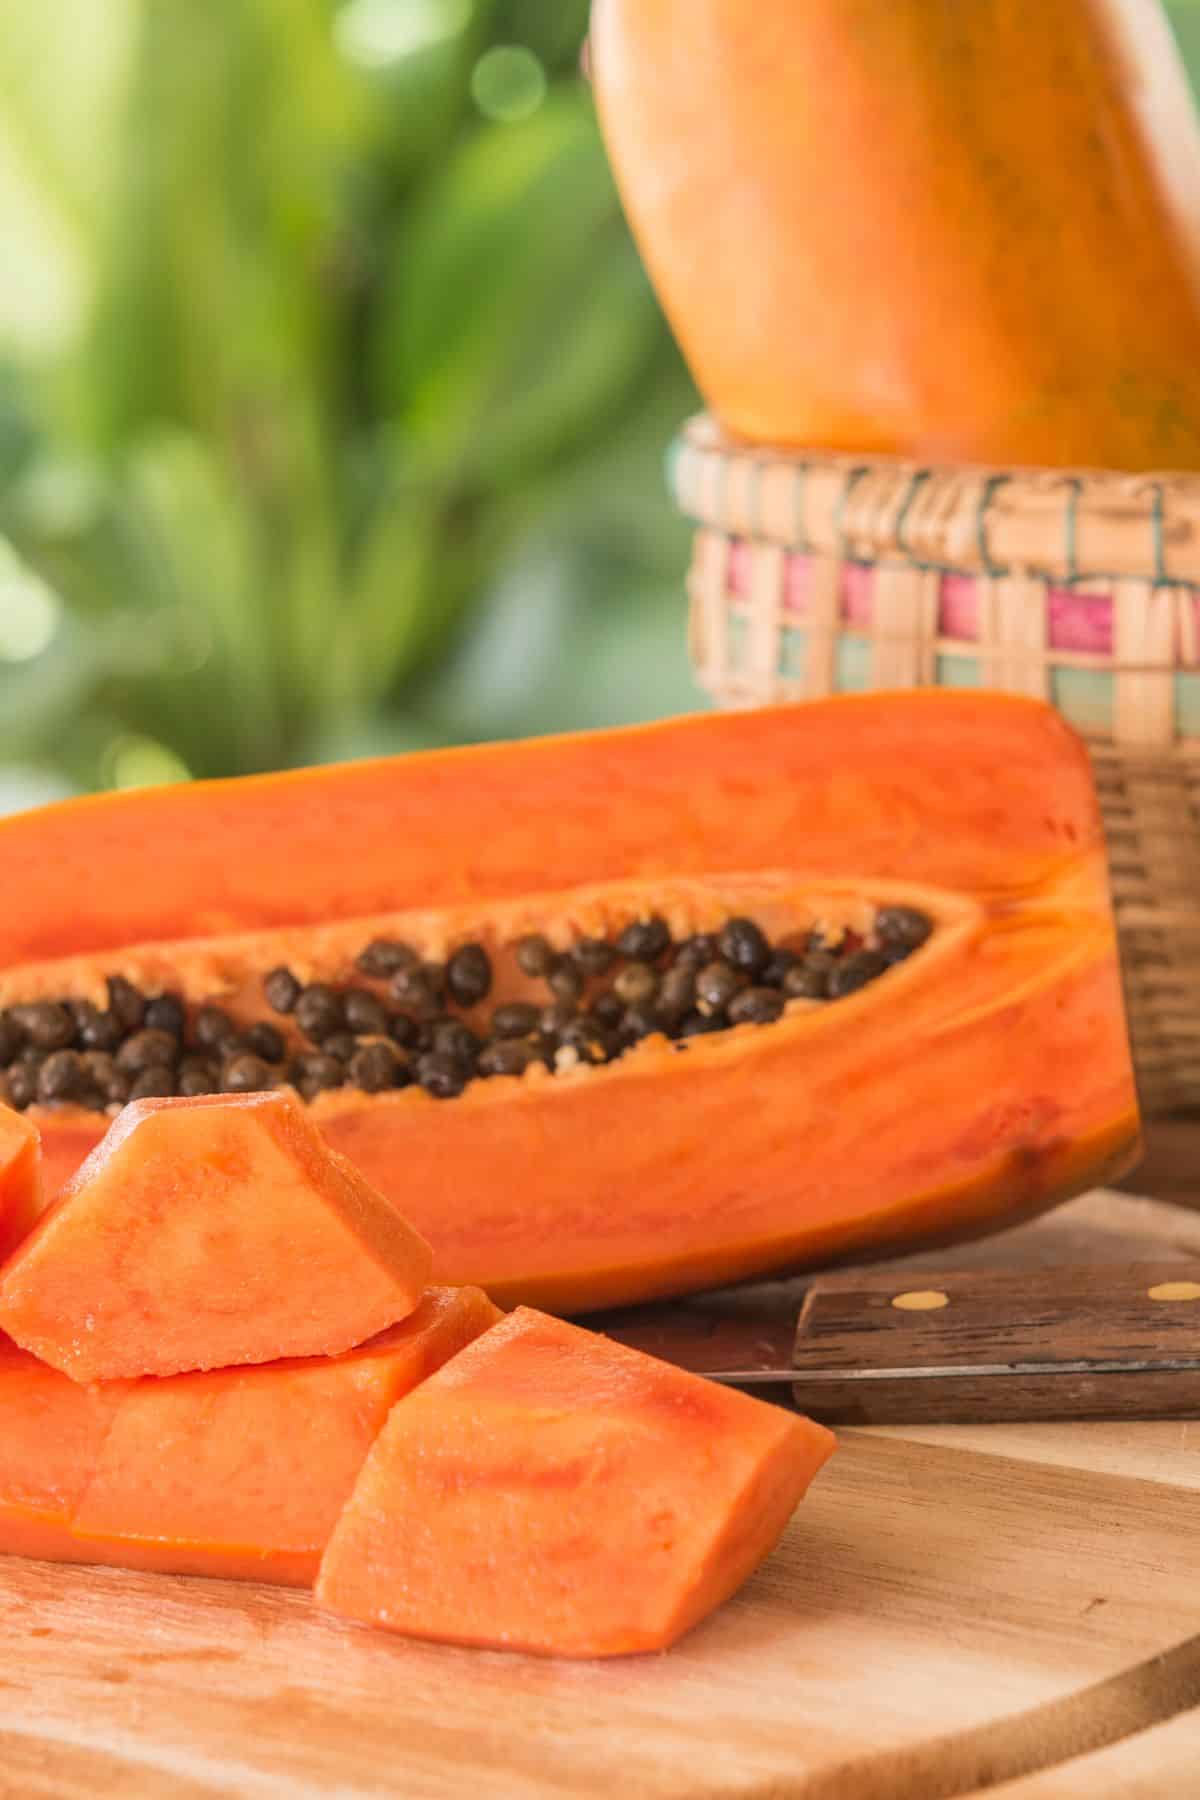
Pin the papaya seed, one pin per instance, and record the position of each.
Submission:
(365, 1015)
(386, 957)
(595, 956)
(126, 1003)
(266, 1041)
(281, 989)
(469, 975)
(535, 956)
(744, 946)
(165, 1013)
(644, 940)
(47, 1025)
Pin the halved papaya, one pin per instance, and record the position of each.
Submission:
(981, 1077)
(207, 1232)
(243, 1473)
(20, 1177)
(552, 1491)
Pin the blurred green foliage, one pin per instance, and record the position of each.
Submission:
(333, 397)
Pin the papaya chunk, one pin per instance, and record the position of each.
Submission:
(208, 1232)
(51, 1434)
(894, 1116)
(20, 1177)
(552, 1491)
(242, 1473)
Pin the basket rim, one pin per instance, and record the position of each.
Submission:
(1065, 526)
(703, 431)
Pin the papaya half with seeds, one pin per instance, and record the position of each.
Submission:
(984, 1076)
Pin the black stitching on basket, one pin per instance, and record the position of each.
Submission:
(800, 509)
(839, 515)
(1157, 527)
(1076, 486)
(991, 487)
(917, 482)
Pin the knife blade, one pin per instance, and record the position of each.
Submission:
(888, 1346)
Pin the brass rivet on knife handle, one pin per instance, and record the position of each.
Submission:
(921, 1300)
(1078, 1342)
(1174, 1290)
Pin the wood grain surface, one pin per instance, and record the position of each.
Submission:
(954, 1608)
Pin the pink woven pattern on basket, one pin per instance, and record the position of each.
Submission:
(1080, 622)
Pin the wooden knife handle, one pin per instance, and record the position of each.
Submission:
(1117, 1341)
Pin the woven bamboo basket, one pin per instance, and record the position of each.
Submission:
(822, 574)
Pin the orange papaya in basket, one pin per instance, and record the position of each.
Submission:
(921, 876)
(962, 230)
(552, 1491)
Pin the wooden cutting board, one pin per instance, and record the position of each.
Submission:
(951, 1606)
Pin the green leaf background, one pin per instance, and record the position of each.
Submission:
(333, 396)
(332, 409)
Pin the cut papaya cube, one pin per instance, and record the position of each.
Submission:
(207, 1232)
(552, 1491)
(242, 1473)
(20, 1177)
(51, 1434)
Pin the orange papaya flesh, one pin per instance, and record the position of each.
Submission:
(208, 1232)
(242, 1473)
(906, 1112)
(51, 1434)
(20, 1177)
(554, 1492)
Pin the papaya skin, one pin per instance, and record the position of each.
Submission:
(968, 233)
(984, 1079)
(553, 1492)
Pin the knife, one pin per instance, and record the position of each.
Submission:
(890, 1347)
